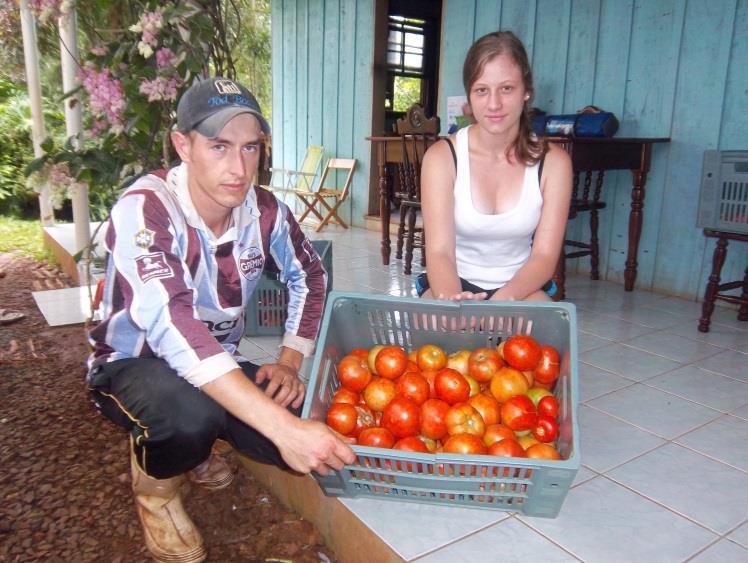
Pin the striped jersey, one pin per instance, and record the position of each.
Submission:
(174, 290)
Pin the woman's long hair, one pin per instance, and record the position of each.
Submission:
(526, 147)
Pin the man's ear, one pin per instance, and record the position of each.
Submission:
(182, 143)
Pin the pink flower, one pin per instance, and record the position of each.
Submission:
(100, 50)
(105, 95)
(165, 58)
(161, 88)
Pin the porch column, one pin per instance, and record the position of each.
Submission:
(69, 59)
(31, 61)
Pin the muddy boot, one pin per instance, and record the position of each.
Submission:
(215, 473)
(169, 533)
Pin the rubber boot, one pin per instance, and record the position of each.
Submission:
(214, 473)
(169, 533)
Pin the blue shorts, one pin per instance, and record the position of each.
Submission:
(422, 284)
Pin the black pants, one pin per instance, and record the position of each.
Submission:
(173, 424)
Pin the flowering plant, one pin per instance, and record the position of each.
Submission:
(130, 78)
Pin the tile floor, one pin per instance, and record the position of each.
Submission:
(664, 436)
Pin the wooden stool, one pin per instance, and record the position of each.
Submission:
(714, 289)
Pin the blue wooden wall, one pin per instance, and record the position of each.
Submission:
(322, 76)
(666, 68)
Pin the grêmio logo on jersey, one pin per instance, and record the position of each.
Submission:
(251, 262)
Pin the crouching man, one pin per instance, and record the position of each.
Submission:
(185, 251)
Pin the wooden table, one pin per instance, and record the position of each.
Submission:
(615, 153)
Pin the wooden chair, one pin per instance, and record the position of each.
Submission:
(716, 290)
(410, 234)
(316, 201)
(417, 133)
(586, 201)
(287, 180)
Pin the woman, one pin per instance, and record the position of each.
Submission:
(494, 202)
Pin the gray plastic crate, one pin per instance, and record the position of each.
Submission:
(266, 312)
(723, 201)
(529, 486)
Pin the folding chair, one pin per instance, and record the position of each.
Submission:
(316, 201)
(285, 179)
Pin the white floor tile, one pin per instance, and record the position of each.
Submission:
(510, 541)
(594, 382)
(653, 410)
(730, 363)
(699, 478)
(673, 346)
(740, 535)
(703, 387)
(628, 362)
(420, 528)
(724, 439)
(607, 442)
(724, 551)
(603, 521)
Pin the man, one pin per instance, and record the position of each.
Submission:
(186, 249)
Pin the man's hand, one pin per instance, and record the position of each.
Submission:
(308, 445)
(284, 385)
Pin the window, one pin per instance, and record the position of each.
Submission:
(405, 62)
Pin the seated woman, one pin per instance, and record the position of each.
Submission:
(495, 199)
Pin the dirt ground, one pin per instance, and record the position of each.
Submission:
(64, 470)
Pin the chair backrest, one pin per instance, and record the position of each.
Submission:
(415, 121)
(414, 146)
(310, 165)
(334, 165)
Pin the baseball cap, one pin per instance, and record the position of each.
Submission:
(208, 105)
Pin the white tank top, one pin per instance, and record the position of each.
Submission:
(491, 248)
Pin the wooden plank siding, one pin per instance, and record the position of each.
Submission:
(666, 68)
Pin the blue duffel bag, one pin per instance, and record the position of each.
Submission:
(589, 122)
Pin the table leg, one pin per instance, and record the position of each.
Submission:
(384, 203)
(635, 218)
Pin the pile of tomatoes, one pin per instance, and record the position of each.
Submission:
(493, 401)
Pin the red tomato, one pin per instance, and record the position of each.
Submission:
(411, 444)
(378, 393)
(342, 418)
(362, 353)
(496, 432)
(413, 386)
(430, 375)
(545, 428)
(549, 365)
(433, 415)
(522, 352)
(464, 444)
(344, 395)
(507, 383)
(376, 437)
(509, 447)
(391, 362)
(431, 356)
(537, 393)
(353, 373)
(488, 407)
(451, 387)
(483, 363)
(464, 419)
(373, 351)
(402, 417)
(548, 405)
(365, 419)
(543, 451)
(518, 413)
